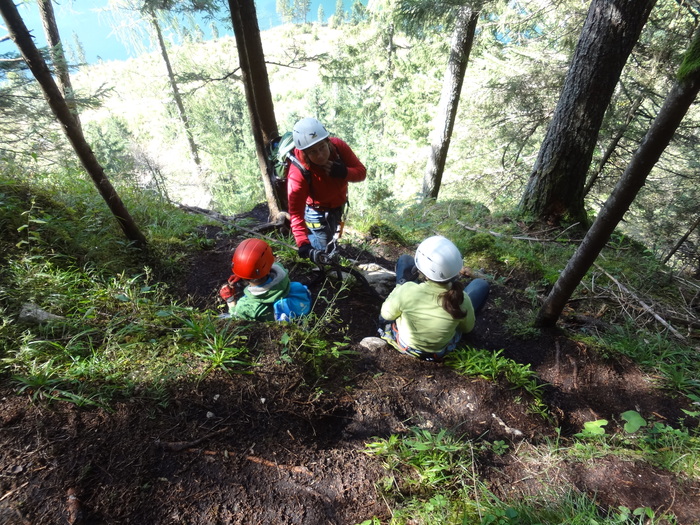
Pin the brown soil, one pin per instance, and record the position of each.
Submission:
(281, 446)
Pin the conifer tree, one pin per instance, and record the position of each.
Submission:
(31, 55)
(555, 189)
(676, 105)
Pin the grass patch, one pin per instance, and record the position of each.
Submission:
(432, 477)
(493, 366)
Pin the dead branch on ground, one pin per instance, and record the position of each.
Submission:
(268, 463)
(645, 306)
(177, 446)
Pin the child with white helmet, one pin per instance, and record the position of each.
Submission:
(426, 320)
(317, 203)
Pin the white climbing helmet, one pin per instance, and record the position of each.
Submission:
(438, 259)
(307, 132)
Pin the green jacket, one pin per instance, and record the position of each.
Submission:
(256, 303)
(422, 322)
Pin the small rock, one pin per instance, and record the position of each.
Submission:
(373, 343)
(382, 280)
(31, 313)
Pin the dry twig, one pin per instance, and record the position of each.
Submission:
(267, 463)
(75, 512)
(177, 446)
(646, 307)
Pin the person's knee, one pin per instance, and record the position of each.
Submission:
(406, 269)
(478, 291)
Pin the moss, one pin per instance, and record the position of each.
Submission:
(387, 233)
(691, 60)
(481, 242)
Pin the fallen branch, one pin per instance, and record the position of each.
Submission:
(229, 219)
(267, 463)
(177, 446)
(8, 494)
(519, 237)
(75, 512)
(646, 307)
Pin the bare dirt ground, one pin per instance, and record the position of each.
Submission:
(277, 447)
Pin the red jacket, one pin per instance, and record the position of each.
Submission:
(325, 192)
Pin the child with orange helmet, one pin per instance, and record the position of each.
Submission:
(267, 282)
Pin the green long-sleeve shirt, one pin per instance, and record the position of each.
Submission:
(420, 318)
(257, 301)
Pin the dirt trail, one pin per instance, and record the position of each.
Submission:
(273, 448)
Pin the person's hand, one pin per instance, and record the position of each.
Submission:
(227, 293)
(317, 256)
(232, 290)
(338, 169)
(305, 251)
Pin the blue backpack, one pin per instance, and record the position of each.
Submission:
(295, 304)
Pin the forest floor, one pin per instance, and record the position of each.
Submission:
(274, 448)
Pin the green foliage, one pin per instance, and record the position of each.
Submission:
(593, 428)
(222, 347)
(673, 449)
(691, 60)
(659, 353)
(117, 337)
(633, 421)
(427, 461)
(377, 88)
(313, 340)
(522, 325)
(387, 233)
(110, 140)
(431, 478)
(494, 366)
(480, 242)
(118, 328)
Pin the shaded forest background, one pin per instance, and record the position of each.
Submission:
(375, 80)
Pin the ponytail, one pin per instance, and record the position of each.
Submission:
(452, 300)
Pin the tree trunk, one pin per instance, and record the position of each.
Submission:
(460, 48)
(60, 63)
(682, 240)
(555, 189)
(610, 149)
(20, 35)
(258, 96)
(657, 138)
(194, 151)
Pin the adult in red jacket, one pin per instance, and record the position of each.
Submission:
(317, 198)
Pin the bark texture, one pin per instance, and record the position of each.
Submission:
(60, 64)
(258, 96)
(555, 189)
(460, 48)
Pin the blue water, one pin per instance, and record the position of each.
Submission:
(89, 23)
